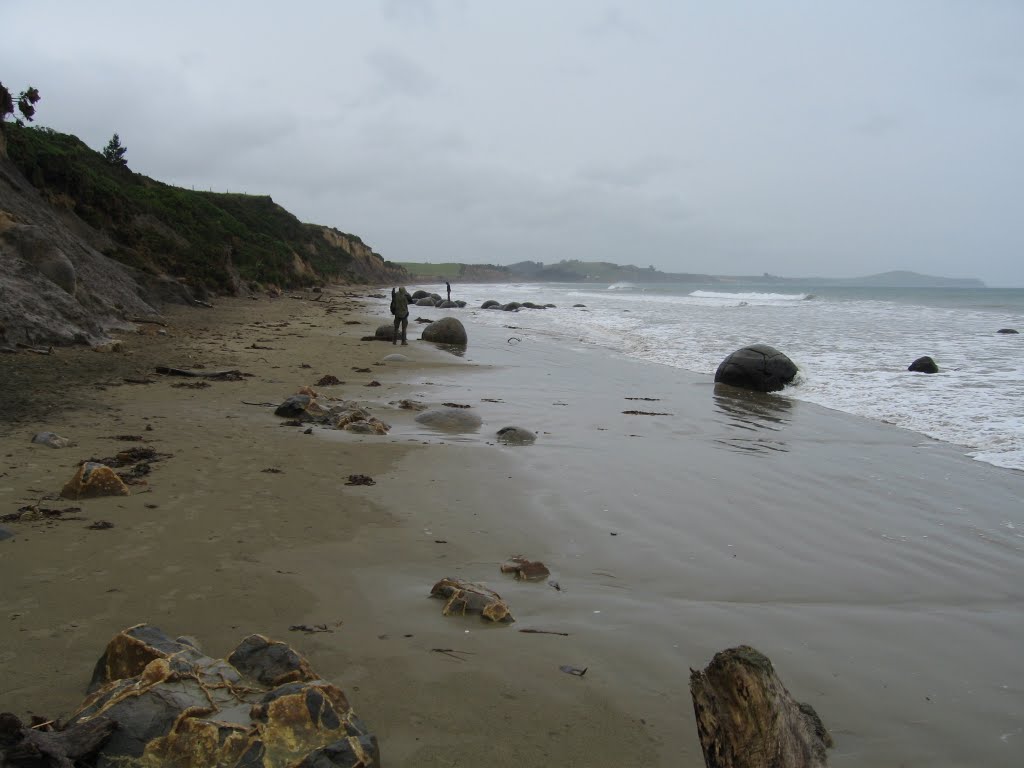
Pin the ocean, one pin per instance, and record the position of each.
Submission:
(852, 345)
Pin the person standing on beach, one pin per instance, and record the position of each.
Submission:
(400, 309)
(449, 287)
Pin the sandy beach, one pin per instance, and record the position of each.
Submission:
(879, 570)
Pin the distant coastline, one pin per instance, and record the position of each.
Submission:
(573, 271)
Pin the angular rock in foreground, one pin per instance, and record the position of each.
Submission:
(747, 719)
(93, 480)
(264, 707)
(757, 367)
(468, 597)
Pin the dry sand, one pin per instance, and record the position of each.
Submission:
(877, 569)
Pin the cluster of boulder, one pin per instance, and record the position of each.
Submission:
(447, 330)
(156, 701)
(427, 299)
(514, 306)
(307, 406)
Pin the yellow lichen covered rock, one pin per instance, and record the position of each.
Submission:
(93, 480)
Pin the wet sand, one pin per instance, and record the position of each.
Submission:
(879, 570)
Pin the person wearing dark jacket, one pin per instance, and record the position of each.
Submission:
(400, 309)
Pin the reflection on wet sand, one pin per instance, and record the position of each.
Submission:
(752, 412)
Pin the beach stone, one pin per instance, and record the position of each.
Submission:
(445, 304)
(516, 436)
(302, 408)
(263, 707)
(460, 303)
(465, 597)
(747, 719)
(92, 481)
(426, 301)
(757, 367)
(450, 419)
(417, 295)
(328, 381)
(51, 440)
(6, 533)
(490, 304)
(578, 305)
(1007, 330)
(447, 330)
(512, 306)
(385, 332)
(924, 365)
(395, 357)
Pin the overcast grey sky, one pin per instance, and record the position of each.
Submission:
(833, 138)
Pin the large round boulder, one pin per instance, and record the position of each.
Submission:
(924, 365)
(1007, 330)
(447, 330)
(757, 367)
(385, 332)
(491, 304)
(426, 301)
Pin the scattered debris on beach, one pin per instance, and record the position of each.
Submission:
(571, 670)
(647, 399)
(328, 381)
(645, 413)
(360, 480)
(456, 405)
(51, 440)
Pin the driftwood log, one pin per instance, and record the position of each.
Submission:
(229, 375)
(23, 747)
(747, 719)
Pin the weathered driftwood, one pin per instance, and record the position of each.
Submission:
(230, 375)
(747, 719)
(22, 747)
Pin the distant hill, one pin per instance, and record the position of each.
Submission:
(576, 271)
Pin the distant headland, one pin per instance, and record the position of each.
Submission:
(576, 271)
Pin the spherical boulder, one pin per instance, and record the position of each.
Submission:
(490, 304)
(757, 367)
(516, 436)
(385, 332)
(923, 365)
(447, 330)
(512, 306)
(426, 301)
(1007, 330)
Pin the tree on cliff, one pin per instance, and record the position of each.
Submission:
(26, 103)
(114, 151)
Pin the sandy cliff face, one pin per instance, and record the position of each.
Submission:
(54, 287)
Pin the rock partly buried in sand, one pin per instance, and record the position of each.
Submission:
(329, 380)
(447, 330)
(395, 357)
(490, 304)
(1007, 330)
(385, 332)
(51, 439)
(302, 407)
(93, 480)
(923, 365)
(262, 707)
(411, 405)
(516, 436)
(525, 569)
(465, 597)
(757, 367)
(747, 719)
(450, 419)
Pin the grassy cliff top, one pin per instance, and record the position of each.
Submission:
(199, 236)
